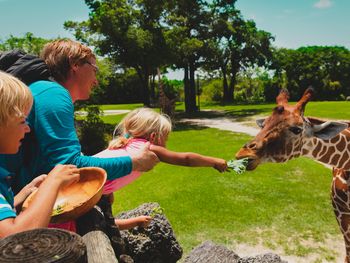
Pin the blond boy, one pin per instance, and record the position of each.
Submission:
(15, 103)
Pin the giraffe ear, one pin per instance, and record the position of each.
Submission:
(329, 129)
(283, 97)
(260, 122)
(300, 106)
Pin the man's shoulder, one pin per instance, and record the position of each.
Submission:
(48, 90)
(43, 85)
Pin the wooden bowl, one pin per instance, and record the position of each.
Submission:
(78, 198)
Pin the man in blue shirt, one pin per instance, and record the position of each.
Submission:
(53, 138)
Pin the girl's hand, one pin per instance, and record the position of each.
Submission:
(143, 221)
(220, 165)
(65, 174)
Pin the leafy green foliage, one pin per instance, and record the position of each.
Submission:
(28, 43)
(238, 166)
(130, 32)
(235, 44)
(325, 68)
(212, 90)
(91, 131)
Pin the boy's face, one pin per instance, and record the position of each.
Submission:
(12, 134)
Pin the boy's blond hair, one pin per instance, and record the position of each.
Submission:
(60, 55)
(15, 98)
(141, 123)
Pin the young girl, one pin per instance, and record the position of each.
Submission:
(137, 129)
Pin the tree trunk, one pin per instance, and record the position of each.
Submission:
(233, 74)
(152, 88)
(225, 84)
(192, 88)
(143, 74)
(187, 90)
(231, 88)
(145, 92)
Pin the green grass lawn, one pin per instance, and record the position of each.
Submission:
(112, 119)
(278, 205)
(339, 110)
(120, 106)
(282, 204)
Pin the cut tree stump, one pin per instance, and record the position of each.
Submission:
(99, 248)
(43, 245)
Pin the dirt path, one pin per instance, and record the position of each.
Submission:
(223, 124)
(334, 244)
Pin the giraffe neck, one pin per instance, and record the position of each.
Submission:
(334, 152)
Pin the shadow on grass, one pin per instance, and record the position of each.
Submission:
(180, 126)
(242, 115)
(238, 115)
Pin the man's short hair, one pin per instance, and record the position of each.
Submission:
(60, 55)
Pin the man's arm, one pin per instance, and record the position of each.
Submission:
(53, 123)
(56, 134)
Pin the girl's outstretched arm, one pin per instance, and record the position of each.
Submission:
(188, 158)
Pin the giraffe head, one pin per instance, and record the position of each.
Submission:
(286, 132)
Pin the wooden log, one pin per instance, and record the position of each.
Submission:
(43, 245)
(99, 248)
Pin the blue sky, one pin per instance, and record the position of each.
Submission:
(44, 18)
(294, 23)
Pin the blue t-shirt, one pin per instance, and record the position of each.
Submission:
(53, 139)
(6, 196)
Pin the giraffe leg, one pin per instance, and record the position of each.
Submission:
(340, 195)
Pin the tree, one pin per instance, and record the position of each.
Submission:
(188, 26)
(128, 31)
(324, 68)
(236, 44)
(29, 43)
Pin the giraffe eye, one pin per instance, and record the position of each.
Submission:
(295, 130)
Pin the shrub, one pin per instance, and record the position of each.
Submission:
(91, 131)
(212, 91)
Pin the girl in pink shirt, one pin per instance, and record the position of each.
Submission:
(146, 128)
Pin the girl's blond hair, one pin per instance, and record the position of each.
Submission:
(15, 98)
(141, 123)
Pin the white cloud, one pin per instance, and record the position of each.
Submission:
(323, 4)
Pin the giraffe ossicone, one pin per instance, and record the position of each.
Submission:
(288, 134)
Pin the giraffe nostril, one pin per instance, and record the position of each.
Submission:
(251, 146)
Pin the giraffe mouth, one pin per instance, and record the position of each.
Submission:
(252, 163)
(253, 159)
